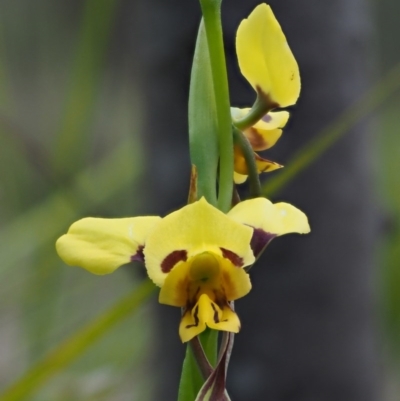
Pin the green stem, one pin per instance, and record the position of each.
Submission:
(248, 153)
(258, 111)
(212, 20)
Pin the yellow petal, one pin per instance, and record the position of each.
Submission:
(265, 58)
(234, 281)
(224, 319)
(194, 229)
(191, 325)
(102, 245)
(263, 165)
(265, 133)
(262, 139)
(239, 178)
(280, 218)
(220, 279)
(174, 292)
(207, 313)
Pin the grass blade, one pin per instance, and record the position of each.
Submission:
(76, 344)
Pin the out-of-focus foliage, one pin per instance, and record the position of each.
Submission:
(69, 147)
(388, 142)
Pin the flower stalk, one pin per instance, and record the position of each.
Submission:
(248, 153)
(259, 109)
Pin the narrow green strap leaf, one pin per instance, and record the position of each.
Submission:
(203, 130)
(379, 93)
(74, 346)
(212, 21)
(191, 378)
(209, 342)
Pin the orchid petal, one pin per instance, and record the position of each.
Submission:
(192, 230)
(102, 245)
(265, 58)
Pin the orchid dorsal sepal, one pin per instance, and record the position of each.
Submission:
(265, 58)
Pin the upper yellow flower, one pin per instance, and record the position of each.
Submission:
(265, 58)
(196, 254)
(261, 136)
(267, 62)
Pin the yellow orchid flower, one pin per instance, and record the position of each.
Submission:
(196, 255)
(261, 136)
(267, 62)
(265, 58)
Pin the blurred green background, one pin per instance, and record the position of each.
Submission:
(70, 145)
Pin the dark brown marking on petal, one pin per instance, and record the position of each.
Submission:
(271, 104)
(232, 256)
(219, 295)
(260, 240)
(215, 317)
(256, 140)
(138, 256)
(195, 317)
(264, 165)
(172, 259)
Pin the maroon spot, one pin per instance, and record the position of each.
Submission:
(267, 118)
(139, 256)
(260, 240)
(232, 256)
(195, 317)
(172, 259)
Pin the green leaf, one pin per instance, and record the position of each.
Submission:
(203, 132)
(75, 345)
(211, 10)
(191, 378)
(209, 341)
